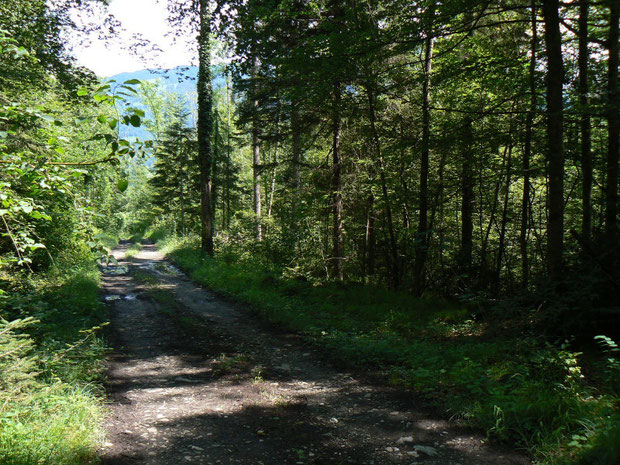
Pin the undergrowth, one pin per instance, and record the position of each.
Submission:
(50, 365)
(517, 388)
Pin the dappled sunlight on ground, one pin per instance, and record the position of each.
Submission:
(194, 379)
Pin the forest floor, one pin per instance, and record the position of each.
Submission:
(199, 380)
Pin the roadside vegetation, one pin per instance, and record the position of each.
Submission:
(60, 181)
(133, 250)
(474, 364)
(51, 352)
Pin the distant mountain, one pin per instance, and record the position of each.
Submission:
(180, 80)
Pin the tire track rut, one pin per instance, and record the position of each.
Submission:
(196, 380)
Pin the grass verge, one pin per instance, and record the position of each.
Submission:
(50, 367)
(516, 388)
(133, 250)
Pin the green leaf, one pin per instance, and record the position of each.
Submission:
(135, 121)
(130, 89)
(122, 185)
(81, 92)
(40, 216)
(131, 82)
(21, 52)
(112, 123)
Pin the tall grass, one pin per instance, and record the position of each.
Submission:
(50, 367)
(517, 388)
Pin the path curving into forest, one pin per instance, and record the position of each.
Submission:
(196, 380)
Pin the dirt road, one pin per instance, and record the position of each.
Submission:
(196, 380)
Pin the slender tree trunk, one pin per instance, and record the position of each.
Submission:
(272, 189)
(421, 251)
(467, 198)
(228, 157)
(296, 133)
(613, 128)
(295, 173)
(269, 196)
(336, 187)
(214, 165)
(527, 153)
(395, 272)
(585, 125)
(256, 153)
(182, 182)
(182, 201)
(437, 210)
(369, 240)
(205, 126)
(555, 147)
(492, 219)
(502, 232)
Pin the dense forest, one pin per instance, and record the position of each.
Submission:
(428, 187)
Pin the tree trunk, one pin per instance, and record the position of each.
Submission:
(421, 250)
(296, 134)
(492, 219)
(256, 153)
(437, 210)
(585, 126)
(226, 224)
(555, 148)
(467, 199)
(214, 165)
(395, 272)
(613, 128)
(272, 188)
(336, 187)
(182, 181)
(527, 154)
(294, 181)
(502, 232)
(205, 125)
(369, 240)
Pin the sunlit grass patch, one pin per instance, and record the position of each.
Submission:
(55, 424)
(51, 370)
(133, 250)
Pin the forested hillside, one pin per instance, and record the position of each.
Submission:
(426, 190)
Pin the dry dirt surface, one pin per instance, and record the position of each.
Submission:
(194, 379)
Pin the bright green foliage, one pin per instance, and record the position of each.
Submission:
(50, 365)
(49, 156)
(59, 142)
(176, 178)
(516, 388)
